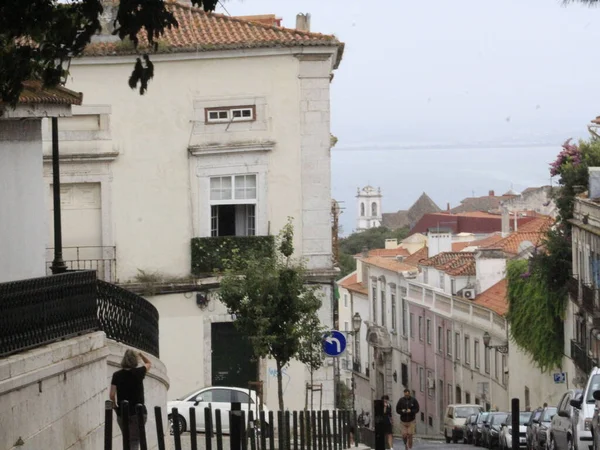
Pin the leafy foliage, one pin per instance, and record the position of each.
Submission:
(537, 291)
(369, 239)
(212, 254)
(274, 307)
(38, 37)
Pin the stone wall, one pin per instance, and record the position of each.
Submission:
(53, 397)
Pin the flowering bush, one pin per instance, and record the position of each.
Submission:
(570, 154)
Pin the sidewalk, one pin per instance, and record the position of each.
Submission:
(424, 437)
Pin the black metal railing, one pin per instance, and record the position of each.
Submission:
(356, 365)
(581, 358)
(39, 311)
(127, 317)
(101, 259)
(588, 298)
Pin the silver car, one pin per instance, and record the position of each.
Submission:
(563, 431)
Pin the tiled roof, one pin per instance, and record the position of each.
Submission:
(485, 203)
(389, 264)
(460, 246)
(34, 92)
(199, 31)
(453, 263)
(417, 256)
(533, 232)
(387, 252)
(266, 19)
(351, 283)
(487, 241)
(494, 298)
(407, 218)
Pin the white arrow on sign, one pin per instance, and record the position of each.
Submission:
(331, 340)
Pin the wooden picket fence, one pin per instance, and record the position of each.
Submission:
(303, 430)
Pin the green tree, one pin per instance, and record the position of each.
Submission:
(274, 306)
(39, 37)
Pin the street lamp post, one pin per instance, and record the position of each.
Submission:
(503, 348)
(356, 325)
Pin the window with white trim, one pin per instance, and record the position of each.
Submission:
(233, 201)
(230, 114)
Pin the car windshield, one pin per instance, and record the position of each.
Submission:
(462, 412)
(482, 417)
(497, 419)
(524, 418)
(548, 414)
(594, 386)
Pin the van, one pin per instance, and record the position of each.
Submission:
(585, 405)
(455, 418)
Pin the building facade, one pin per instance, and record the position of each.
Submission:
(231, 139)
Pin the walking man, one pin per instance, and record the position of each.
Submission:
(407, 408)
(128, 385)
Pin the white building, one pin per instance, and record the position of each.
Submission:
(369, 208)
(231, 139)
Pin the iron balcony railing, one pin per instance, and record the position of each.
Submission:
(573, 287)
(101, 259)
(588, 301)
(38, 311)
(581, 358)
(356, 366)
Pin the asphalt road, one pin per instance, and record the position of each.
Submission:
(423, 444)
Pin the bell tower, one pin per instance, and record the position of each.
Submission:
(369, 208)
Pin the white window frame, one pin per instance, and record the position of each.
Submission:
(233, 200)
(467, 350)
(394, 311)
(457, 345)
(448, 341)
(229, 113)
(421, 379)
(476, 351)
(428, 331)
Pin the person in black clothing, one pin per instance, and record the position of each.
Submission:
(407, 408)
(387, 417)
(128, 384)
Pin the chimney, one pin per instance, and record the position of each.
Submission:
(438, 241)
(448, 206)
(303, 22)
(594, 181)
(491, 193)
(391, 244)
(505, 221)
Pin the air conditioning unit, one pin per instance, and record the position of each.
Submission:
(468, 293)
(430, 383)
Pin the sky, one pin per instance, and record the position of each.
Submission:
(453, 98)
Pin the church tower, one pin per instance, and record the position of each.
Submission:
(369, 208)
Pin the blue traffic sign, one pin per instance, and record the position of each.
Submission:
(560, 377)
(334, 343)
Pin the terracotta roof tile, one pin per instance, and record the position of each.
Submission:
(417, 257)
(533, 232)
(199, 31)
(34, 92)
(460, 246)
(389, 264)
(453, 263)
(351, 283)
(494, 298)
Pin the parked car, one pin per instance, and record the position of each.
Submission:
(506, 435)
(563, 430)
(533, 423)
(216, 398)
(455, 418)
(585, 405)
(493, 431)
(541, 434)
(468, 428)
(478, 433)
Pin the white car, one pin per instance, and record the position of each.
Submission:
(506, 434)
(215, 398)
(563, 431)
(586, 406)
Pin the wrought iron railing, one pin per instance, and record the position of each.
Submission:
(573, 287)
(356, 365)
(101, 259)
(39, 311)
(127, 317)
(581, 358)
(588, 298)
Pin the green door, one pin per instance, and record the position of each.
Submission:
(232, 357)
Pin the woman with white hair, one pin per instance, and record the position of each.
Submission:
(128, 385)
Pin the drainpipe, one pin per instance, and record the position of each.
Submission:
(58, 264)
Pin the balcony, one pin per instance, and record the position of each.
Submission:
(573, 287)
(356, 367)
(101, 259)
(580, 357)
(211, 254)
(39, 311)
(588, 294)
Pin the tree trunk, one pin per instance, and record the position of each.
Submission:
(279, 384)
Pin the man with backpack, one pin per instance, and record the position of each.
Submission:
(408, 408)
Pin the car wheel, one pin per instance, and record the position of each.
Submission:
(447, 438)
(179, 422)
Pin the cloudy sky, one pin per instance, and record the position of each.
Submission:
(451, 97)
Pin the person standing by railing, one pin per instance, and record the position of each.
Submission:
(128, 385)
